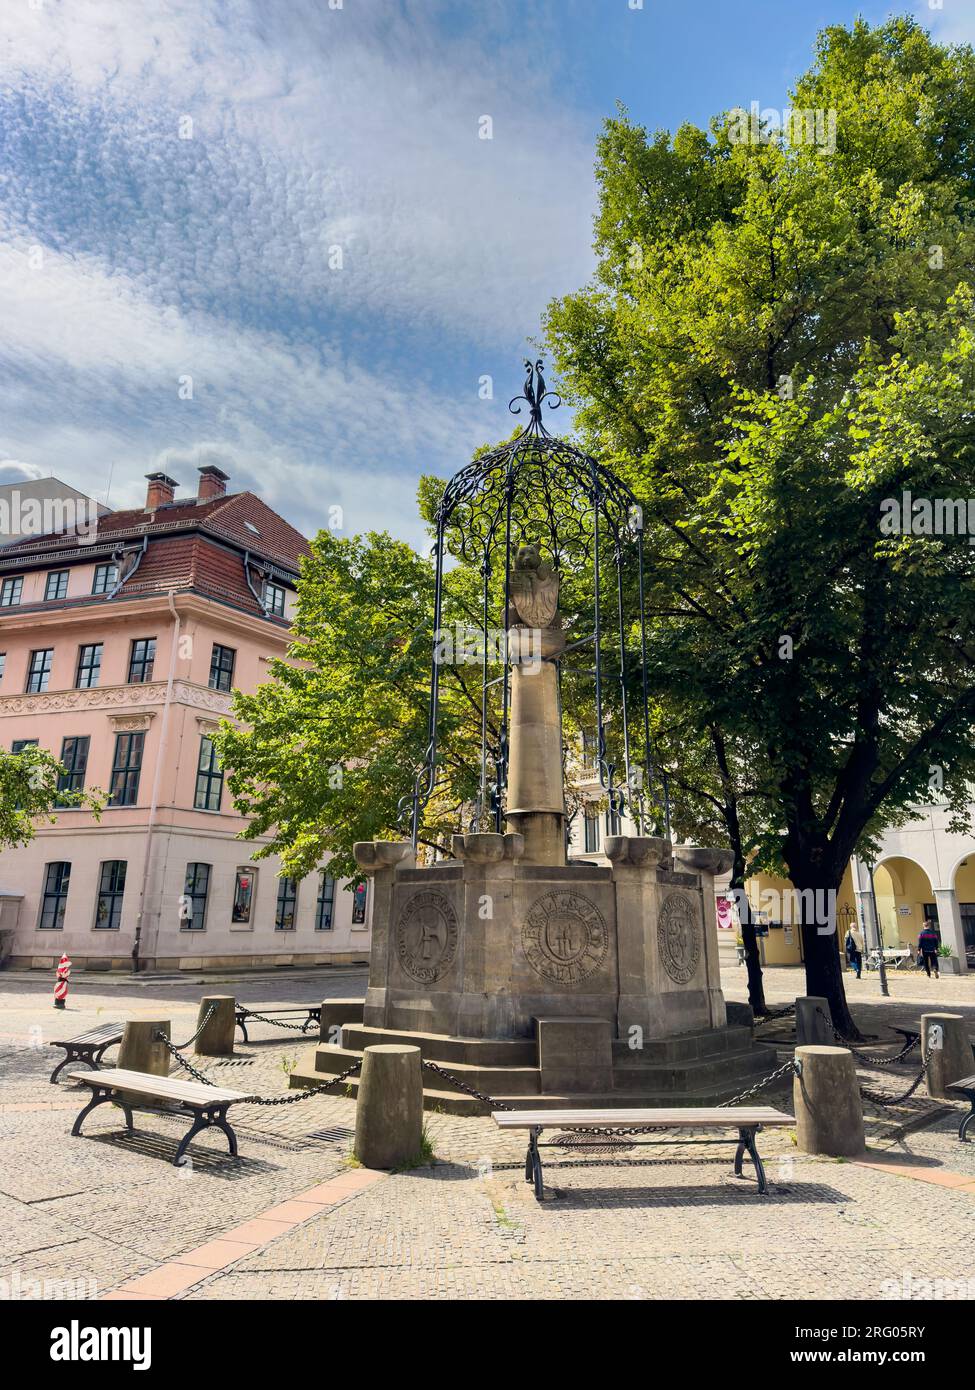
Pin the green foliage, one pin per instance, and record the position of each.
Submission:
(29, 792)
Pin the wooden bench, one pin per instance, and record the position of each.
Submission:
(88, 1047)
(747, 1119)
(312, 1012)
(967, 1088)
(207, 1104)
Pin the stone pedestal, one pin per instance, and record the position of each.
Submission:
(829, 1116)
(389, 1113)
(216, 1039)
(334, 1013)
(813, 1021)
(946, 1049)
(139, 1050)
(575, 1055)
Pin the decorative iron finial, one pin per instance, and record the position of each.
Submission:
(534, 394)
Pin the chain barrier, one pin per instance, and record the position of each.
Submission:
(879, 1098)
(463, 1086)
(791, 1065)
(207, 1017)
(905, 1051)
(275, 1022)
(260, 1100)
(773, 1015)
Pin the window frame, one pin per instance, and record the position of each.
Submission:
(208, 776)
(58, 575)
(15, 582)
(58, 895)
(194, 895)
(237, 917)
(43, 676)
(146, 661)
(127, 769)
(274, 608)
(219, 669)
(360, 902)
(67, 782)
(283, 900)
(324, 900)
(590, 832)
(114, 893)
(91, 669)
(100, 583)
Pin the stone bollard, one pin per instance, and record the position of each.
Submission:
(811, 1025)
(335, 1012)
(217, 1038)
(946, 1049)
(139, 1050)
(829, 1116)
(389, 1111)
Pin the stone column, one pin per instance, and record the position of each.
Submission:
(946, 1048)
(949, 922)
(829, 1116)
(389, 1110)
(813, 1020)
(536, 799)
(217, 1037)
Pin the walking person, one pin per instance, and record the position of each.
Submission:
(927, 945)
(854, 950)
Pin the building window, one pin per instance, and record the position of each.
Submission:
(89, 667)
(274, 599)
(359, 904)
(56, 586)
(111, 890)
(141, 660)
(284, 913)
(74, 759)
(591, 832)
(19, 744)
(55, 898)
(590, 750)
(325, 908)
(222, 667)
(39, 671)
(243, 895)
(10, 592)
(106, 577)
(3, 664)
(193, 903)
(126, 766)
(613, 822)
(209, 778)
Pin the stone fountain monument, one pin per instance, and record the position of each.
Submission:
(527, 976)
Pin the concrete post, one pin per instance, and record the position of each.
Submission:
(829, 1116)
(335, 1012)
(389, 1112)
(217, 1038)
(814, 1021)
(946, 1048)
(139, 1050)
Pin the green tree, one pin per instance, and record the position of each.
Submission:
(29, 792)
(779, 340)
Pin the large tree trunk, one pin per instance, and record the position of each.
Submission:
(753, 962)
(824, 974)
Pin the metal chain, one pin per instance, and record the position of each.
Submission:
(773, 1014)
(908, 1047)
(463, 1086)
(878, 1097)
(209, 1014)
(791, 1065)
(276, 1022)
(261, 1100)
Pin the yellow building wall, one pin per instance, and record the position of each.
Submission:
(774, 897)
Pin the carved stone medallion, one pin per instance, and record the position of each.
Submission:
(565, 937)
(679, 937)
(426, 936)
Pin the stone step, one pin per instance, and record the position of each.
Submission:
(437, 1047)
(743, 1067)
(520, 1080)
(686, 1047)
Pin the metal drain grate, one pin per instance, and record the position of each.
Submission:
(235, 1062)
(592, 1143)
(335, 1135)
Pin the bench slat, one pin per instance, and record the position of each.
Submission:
(964, 1083)
(685, 1118)
(94, 1035)
(162, 1087)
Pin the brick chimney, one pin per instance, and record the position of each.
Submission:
(162, 489)
(213, 482)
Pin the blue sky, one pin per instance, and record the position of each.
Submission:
(265, 233)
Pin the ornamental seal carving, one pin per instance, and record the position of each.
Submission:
(565, 937)
(426, 936)
(679, 937)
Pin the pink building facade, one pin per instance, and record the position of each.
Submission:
(118, 653)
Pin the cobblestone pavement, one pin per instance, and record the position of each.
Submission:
(645, 1221)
